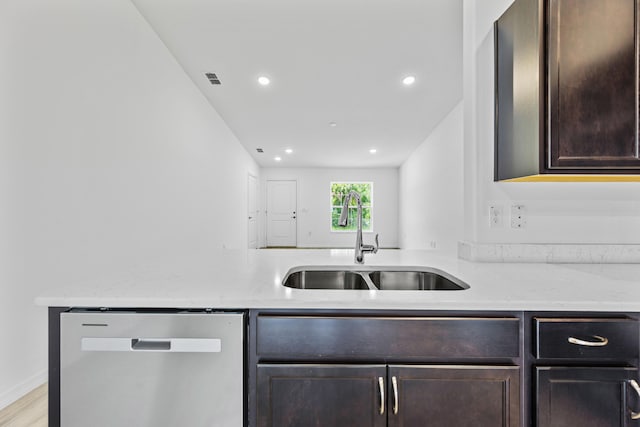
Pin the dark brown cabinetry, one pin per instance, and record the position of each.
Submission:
(434, 368)
(316, 370)
(584, 369)
(463, 396)
(519, 91)
(566, 88)
(321, 395)
(360, 337)
(394, 395)
(592, 85)
(586, 338)
(585, 397)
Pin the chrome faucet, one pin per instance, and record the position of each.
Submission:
(342, 222)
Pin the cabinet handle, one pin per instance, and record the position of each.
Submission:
(602, 341)
(636, 388)
(394, 382)
(381, 388)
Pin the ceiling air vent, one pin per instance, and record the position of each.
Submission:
(259, 150)
(213, 79)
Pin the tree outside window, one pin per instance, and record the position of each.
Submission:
(339, 191)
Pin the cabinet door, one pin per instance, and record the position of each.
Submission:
(592, 85)
(445, 396)
(585, 397)
(321, 395)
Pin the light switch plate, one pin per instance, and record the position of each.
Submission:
(496, 216)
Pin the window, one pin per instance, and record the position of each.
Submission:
(339, 191)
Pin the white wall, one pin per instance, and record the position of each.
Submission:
(109, 157)
(555, 212)
(431, 189)
(314, 213)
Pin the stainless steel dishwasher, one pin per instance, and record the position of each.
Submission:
(137, 368)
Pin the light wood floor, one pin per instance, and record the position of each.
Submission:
(28, 411)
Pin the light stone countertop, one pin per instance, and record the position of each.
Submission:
(242, 279)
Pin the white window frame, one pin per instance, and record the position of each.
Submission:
(331, 206)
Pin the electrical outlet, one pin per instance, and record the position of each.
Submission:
(496, 217)
(433, 244)
(518, 217)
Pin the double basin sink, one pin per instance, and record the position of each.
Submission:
(372, 278)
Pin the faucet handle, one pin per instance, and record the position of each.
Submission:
(370, 248)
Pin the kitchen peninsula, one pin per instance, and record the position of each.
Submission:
(517, 331)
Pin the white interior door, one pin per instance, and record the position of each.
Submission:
(281, 213)
(252, 214)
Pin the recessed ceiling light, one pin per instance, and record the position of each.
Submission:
(373, 151)
(333, 124)
(288, 151)
(277, 158)
(264, 81)
(409, 80)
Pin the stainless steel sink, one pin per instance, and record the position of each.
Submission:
(372, 278)
(416, 281)
(325, 279)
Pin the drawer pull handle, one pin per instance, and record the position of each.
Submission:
(602, 341)
(381, 388)
(636, 388)
(394, 381)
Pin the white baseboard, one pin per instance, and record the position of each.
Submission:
(19, 390)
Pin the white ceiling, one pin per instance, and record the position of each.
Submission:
(336, 61)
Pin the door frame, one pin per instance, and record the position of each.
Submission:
(266, 216)
(257, 210)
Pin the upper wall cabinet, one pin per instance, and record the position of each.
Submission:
(567, 88)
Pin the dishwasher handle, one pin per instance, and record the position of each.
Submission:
(138, 344)
(153, 345)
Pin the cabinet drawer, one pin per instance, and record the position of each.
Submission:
(586, 338)
(320, 337)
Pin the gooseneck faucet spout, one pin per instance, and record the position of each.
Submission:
(360, 249)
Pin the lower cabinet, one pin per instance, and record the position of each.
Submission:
(586, 397)
(394, 395)
(585, 371)
(321, 395)
(462, 396)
